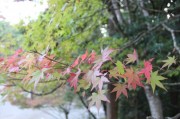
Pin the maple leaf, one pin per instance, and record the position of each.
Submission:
(96, 99)
(41, 57)
(83, 84)
(28, 62)
(169, 62)
(17, 52)
(91, 75)
(36, 76)
(99, 82)
(1, 59)
(105, 54)
(147, 70)
(120, 89)
(84, 56)
(29, 74)
(133, 78)
(105, 57)
(92, 57)
(14, 69)
(155, 80)
(76, 62)
(72, 76)
(120, 67)
(132, 57)
(45, 62)
(74, 79)
(114, 73)
(67, 71)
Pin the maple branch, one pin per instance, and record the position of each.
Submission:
(138, 38)
(172, 84)
(35, 51)
(81, 99)
(40, 94)
(18, 79)
(173, 36)
(175, 117)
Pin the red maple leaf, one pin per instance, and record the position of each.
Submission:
(84, 56)
(1, 59)
(92, 57)
(17, 52)
(147, 70)
(45, 62)
(76, 62)
(133, 78)
(73, 79)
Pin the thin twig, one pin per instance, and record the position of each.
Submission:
(50, 58)
(42, 94)
(39, 94)
(177, 116)
(172, 84)
(81, 99)
(139, 37)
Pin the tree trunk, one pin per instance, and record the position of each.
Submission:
(112, 108)
(153, 100)
(113, 27)
(154, 103)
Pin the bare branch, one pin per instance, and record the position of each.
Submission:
(81, 99)
(50, 58)
(177, 116)
(38, 94)
(173, 37)
(42, 94)
(172, 84)
(140, 36)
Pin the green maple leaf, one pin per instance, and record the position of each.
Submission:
(155, 81)
(37, 76)
(84, 84)
(120, 67)
(96, 99)
(169, 61)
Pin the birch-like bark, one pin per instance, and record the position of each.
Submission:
(117, 12)
(154, 103)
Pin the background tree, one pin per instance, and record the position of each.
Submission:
(10, 37)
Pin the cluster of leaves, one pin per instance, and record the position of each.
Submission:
(86, 72)
(66, 26)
